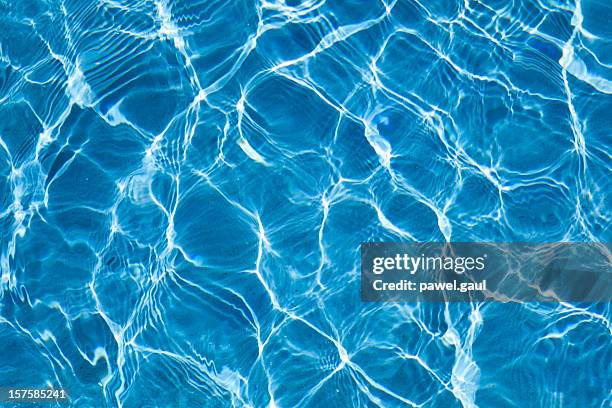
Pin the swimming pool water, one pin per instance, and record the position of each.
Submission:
(184, 186)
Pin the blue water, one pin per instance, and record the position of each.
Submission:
(184, 186)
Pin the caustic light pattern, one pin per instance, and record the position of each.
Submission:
(184, 186)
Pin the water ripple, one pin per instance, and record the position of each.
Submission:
(184, 186)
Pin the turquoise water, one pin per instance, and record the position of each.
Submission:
(184, 187)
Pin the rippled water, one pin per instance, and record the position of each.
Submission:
(184, 187)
